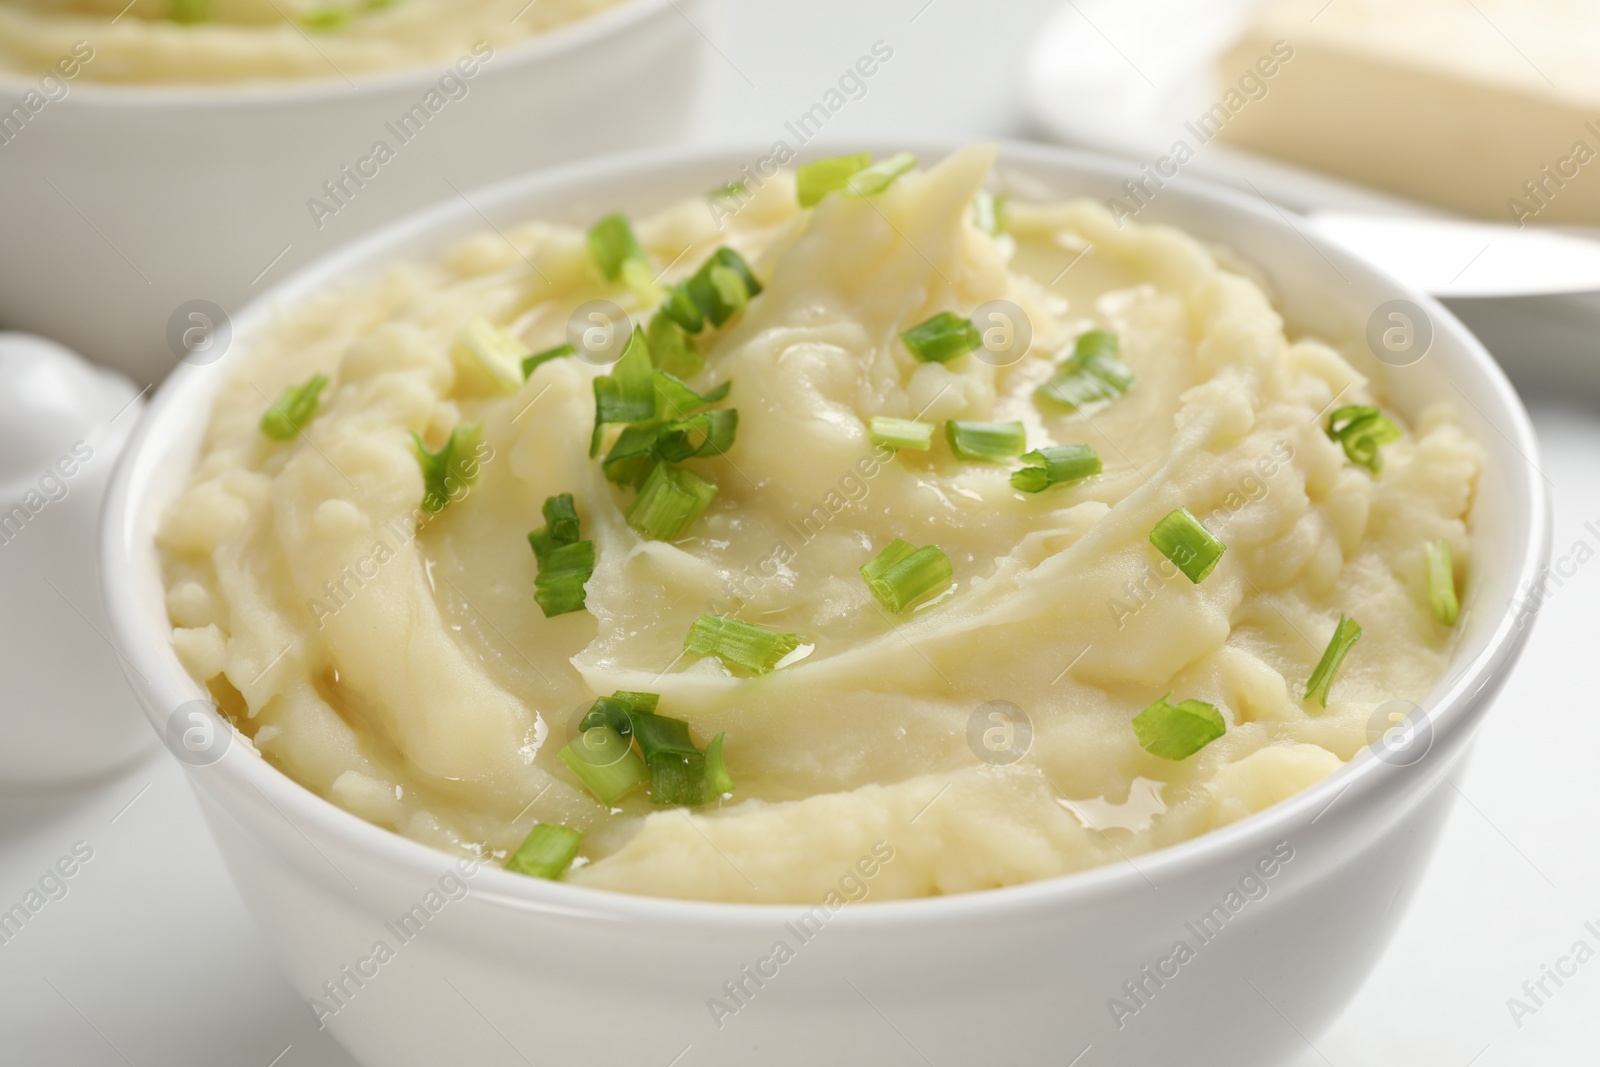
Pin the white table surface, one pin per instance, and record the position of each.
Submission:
(151, 959)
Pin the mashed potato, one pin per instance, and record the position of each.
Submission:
(396, 662)
(265, 40)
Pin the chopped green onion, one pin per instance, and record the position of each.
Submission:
(816, 180)
(722, 286)
(637, 701)
(678, 778)
(660, 733)
(1191, 546)
(325, 19)
(676, 400)
(709, 433)
(188, 11)
(1057, 465)
(942, 338)
(493, 353)
(671, 349)
(733, 188)
(546, 852)
(633, 455)
(1361, 429)
(612, 245)
(881, 175)
(1178, 731)
(718, 780)
(539, 359)
(678, 306)
(295, 406)
(628, 393)
(613, 712)
(988, 442)
(902, 433)
(1092, 373)
(669, 500)
(565, 562)
(454, 467)
(606, 762)
(754, 648)
(1442, 582)
(902, 576)
(989, 212)
(1345, 635)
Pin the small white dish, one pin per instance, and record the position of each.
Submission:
(565, 975)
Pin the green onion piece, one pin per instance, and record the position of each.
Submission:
(881, 175)
(676, 400)
(722, 286)
(559, 587)
(1345, 635)
(638, 701)
(606, 762)
(678, 778)
(1442, 582)
(989, 212)
(718, 780)
(565, 562)
(539, 359)
(612, 245)
(709, 433)
(1191, 546)
(988, 442)
(942, 338)
(754, 648)
(901, 433)
(612, 712)
(188, 12)
(295, 406)
(633, 455)
(325, 19)
(454, 468)
(671, 349)
(1057, 465)
(816, 180)
(902, 577)
(679, 306)
(1178, 731)
(546, 852)
(669, 500)
(1361, 429)
(660, 733)
(733, 188)
(493, 353)
(628, 393)
(1093, 373)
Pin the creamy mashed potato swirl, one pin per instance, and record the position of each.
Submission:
(211, 41)
(402, 669)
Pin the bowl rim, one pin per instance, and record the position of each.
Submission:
(1452, 703)
(206, 96)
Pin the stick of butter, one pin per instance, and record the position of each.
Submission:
(1488, 107)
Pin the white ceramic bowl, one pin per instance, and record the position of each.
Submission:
(558, 974)
(128, 205)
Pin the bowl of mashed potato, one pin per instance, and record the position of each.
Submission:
(178, 157)
(908, 602)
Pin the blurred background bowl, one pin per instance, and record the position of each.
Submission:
(140, 217)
